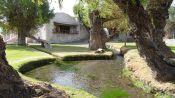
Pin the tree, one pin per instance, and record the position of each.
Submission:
(24, 15)
(148, 24)
(96, 15)
(81, 10)
(12, 86)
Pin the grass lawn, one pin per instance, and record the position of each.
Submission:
(118, 45)
(18, 55)
(132, 45)
(68, 50)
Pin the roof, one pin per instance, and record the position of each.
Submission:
(63, 18)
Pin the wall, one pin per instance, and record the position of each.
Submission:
(123, 37)
(47, 34)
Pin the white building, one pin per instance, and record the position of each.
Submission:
(63, 28)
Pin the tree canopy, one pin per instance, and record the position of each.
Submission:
(29, 14)
(110, 12)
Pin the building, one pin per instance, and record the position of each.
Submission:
(63, 28)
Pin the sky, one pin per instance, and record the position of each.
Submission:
(67, 6)
(173, 3)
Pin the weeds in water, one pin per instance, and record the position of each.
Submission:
(114, 93)
(68, 65)
(92, 76)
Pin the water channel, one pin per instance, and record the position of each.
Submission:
(93, 76)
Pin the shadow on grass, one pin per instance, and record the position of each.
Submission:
(19, 48)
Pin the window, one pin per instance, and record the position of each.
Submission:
(64, 29)
(59, 28)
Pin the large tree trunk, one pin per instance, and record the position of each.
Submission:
(21, 37)
(24, 32)
(11, 85)
(148, 34)
(159, 15)
(97, 39)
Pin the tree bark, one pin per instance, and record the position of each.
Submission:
(11, 85)
(21, 37)
(149, 35)
(24, 32)
(97, 39)
(159, 13)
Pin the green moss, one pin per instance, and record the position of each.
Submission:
(28, 66)
(67, 65)
(92, 76)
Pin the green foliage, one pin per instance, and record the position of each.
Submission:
(108, 10)
(81, 10)
(24, 14)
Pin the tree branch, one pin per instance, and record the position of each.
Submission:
(159, 12)
(109, 19)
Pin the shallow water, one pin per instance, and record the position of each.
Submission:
(92, 76)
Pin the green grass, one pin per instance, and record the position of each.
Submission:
(131, 45)
(20, 55)
(74, 52)
(114, 93)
